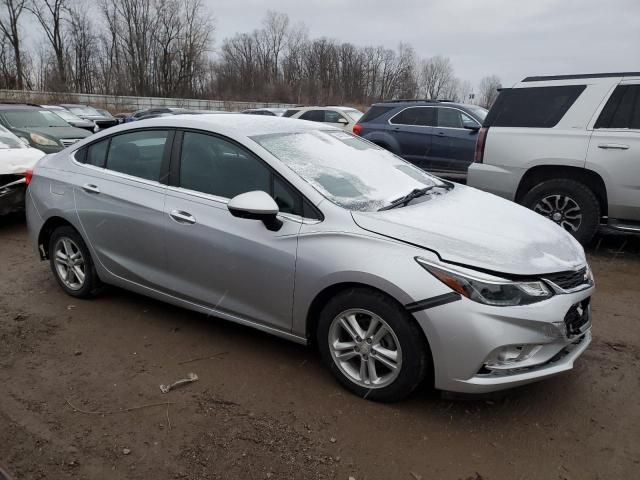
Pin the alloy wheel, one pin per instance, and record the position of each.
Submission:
(365, 348)
(69, 263)
(562, 209)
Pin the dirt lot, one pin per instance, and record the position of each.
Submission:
(266, 408)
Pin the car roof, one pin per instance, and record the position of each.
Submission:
(19, 106)
(418, 103)
(232, 124)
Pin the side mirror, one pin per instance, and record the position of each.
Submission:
(257, 205)
(473, 128)
(343, 121)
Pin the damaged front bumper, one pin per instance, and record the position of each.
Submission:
(12, 193)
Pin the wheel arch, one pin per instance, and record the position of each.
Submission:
(540, 173)
(49, 226)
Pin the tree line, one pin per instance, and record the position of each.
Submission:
(166, 48)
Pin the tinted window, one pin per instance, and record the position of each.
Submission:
(449, 117)
(313, 115)
(215, 166)
(375, 112)
(536, 107)
(422, 116)
(332, 117)
(289, 113)
(287, 198)
(139, 154)
(97, 153)
(622, 109)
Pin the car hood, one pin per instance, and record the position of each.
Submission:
(481, 230)
(15, 161)
(58, 132)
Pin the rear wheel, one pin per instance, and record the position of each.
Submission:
(569, 203)
(372, 345)
(71, 263)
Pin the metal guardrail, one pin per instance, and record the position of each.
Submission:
(117, 103)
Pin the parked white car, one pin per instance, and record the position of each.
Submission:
(341, 117)
(568, 147)
(16, 159)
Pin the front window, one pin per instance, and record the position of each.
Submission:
(346, 169)
(83, 111)
(355, 115)
(65, 115)
(9, 140)
(34, 118)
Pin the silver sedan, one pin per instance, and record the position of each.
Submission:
(316, 235)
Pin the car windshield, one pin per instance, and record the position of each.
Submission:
(34, 118)
(84, 111)
(9, 140)
(66, 115)
(479, 112)
(354, 114)
(349, 171)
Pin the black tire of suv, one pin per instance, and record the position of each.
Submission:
(580, 193)
(416, 355)
(92, 284)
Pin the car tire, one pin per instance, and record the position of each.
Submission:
(405, 341)
(557, 199)
(68, 253)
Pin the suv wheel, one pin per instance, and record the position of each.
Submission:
(372, 345)
(569, 203)
(71, 263)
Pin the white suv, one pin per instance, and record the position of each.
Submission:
(341, 117)
(567, 147)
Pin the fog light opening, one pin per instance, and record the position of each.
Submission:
(510, 356)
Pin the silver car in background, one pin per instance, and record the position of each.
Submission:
(316, 235)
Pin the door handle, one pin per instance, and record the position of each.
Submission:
(613, 146)
(182, 217)
(441, 134)
(90, 188)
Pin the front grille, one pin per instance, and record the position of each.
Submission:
(68, 141)
(569, 280)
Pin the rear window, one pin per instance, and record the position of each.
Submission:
(290, 112)
(622, 109)
(374, 112)
(535, 107)
(420, 116)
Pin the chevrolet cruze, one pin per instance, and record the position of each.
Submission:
(318, 236)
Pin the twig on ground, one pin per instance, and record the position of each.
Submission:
(208, 357)
(113, 412)
(168, 419)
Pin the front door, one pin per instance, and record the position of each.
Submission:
(614, 151)
(233, 265)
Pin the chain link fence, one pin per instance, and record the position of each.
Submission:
(116, 104)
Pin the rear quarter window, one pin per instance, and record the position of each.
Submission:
(375, 112)
(622, 110)
(534, 107)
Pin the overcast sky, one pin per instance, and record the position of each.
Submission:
(511, 38)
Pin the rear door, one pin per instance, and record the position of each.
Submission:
(119, 194)
(234, 265)
(453, 145)
(614, 150)
(413, 130)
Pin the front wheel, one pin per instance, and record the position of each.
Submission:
(372, 345)
(569, 203)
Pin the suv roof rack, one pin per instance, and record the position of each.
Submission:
(402, 100)
(581, 75)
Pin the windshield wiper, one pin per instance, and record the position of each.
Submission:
(413, 194)
(402, 201)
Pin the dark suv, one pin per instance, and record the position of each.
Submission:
(437, 136)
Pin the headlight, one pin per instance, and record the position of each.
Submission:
(42, 140)
(487, 289)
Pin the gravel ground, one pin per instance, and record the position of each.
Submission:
(266, 408)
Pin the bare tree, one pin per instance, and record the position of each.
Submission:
(50, 14)
(488, 90)
(9, 27)
(437, 77)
